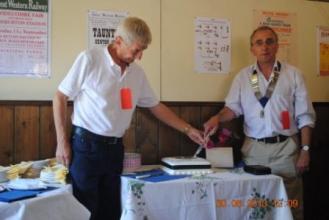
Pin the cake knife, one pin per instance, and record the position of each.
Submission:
(212, 131)
(198, 151)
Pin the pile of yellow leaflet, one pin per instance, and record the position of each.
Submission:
(17, 170)
(35, 168)
(13, 172)
(47, 170)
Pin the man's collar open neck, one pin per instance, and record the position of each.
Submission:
(266, 66)
(113, 52)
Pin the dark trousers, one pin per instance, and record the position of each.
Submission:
(95, 173)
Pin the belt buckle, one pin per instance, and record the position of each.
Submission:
(278, 139)
(113, 140)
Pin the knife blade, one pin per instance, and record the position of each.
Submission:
(198, 151)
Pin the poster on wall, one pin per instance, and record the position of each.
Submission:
(285, 25)
(102, 25)
(323, 50)
(212, 46)
(25, 38)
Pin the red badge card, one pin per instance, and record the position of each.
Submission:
(285, 120)
(126, 98)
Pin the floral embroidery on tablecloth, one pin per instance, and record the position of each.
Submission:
(137, 187)
(260, 204)
(201, 186)
(200, 190)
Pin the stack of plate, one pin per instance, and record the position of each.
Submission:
(3, 174)
(26, 184)
(47, 176)
(55, 174)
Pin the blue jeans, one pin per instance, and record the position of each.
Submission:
(95, 173)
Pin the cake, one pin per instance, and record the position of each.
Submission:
(185, 165)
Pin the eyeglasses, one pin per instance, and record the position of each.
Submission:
(268, 42)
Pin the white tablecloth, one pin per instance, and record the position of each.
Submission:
(221, 195)
(57, 204)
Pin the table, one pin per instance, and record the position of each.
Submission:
(58, 204)
(225, 194)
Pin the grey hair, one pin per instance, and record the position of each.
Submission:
(133, 29)
(264, 28)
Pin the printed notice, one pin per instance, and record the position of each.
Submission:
(102, 25)
(212, 45)
(323, 50)
(24, 38)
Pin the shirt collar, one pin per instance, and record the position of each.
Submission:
(255, 67)
(115, 66)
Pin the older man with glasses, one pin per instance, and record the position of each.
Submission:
(272, 97)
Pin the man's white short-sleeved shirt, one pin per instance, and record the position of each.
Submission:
(289, 94)
(94, 83)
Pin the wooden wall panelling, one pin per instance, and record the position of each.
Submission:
(129, 139)
(169, 139)
(6, 134)
(315, 183)
(190, 114)
(26, 133)
(69, 119)
(47, 132)
(208, 111)
(146, 136)
(48, 141)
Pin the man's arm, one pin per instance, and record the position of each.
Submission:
(63, 150)
(303, 161)
(164, 114)
(226, 114)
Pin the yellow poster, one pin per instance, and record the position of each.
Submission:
(323, 50)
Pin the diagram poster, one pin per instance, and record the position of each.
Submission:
(25, 38)
(102, 25)
(212, 45)
(285, 25)
(323, 50)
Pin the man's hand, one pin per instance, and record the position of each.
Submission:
(196, 136)
(63, 153)
(211, 126)
(303, 162)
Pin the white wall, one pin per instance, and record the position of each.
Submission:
(168, 62)
(69, 37)
(178, 80)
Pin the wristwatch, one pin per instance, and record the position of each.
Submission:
(305, 147)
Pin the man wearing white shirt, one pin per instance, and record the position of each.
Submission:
(273, 99)
(106, 86)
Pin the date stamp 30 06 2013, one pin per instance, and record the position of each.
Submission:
(254, 203)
